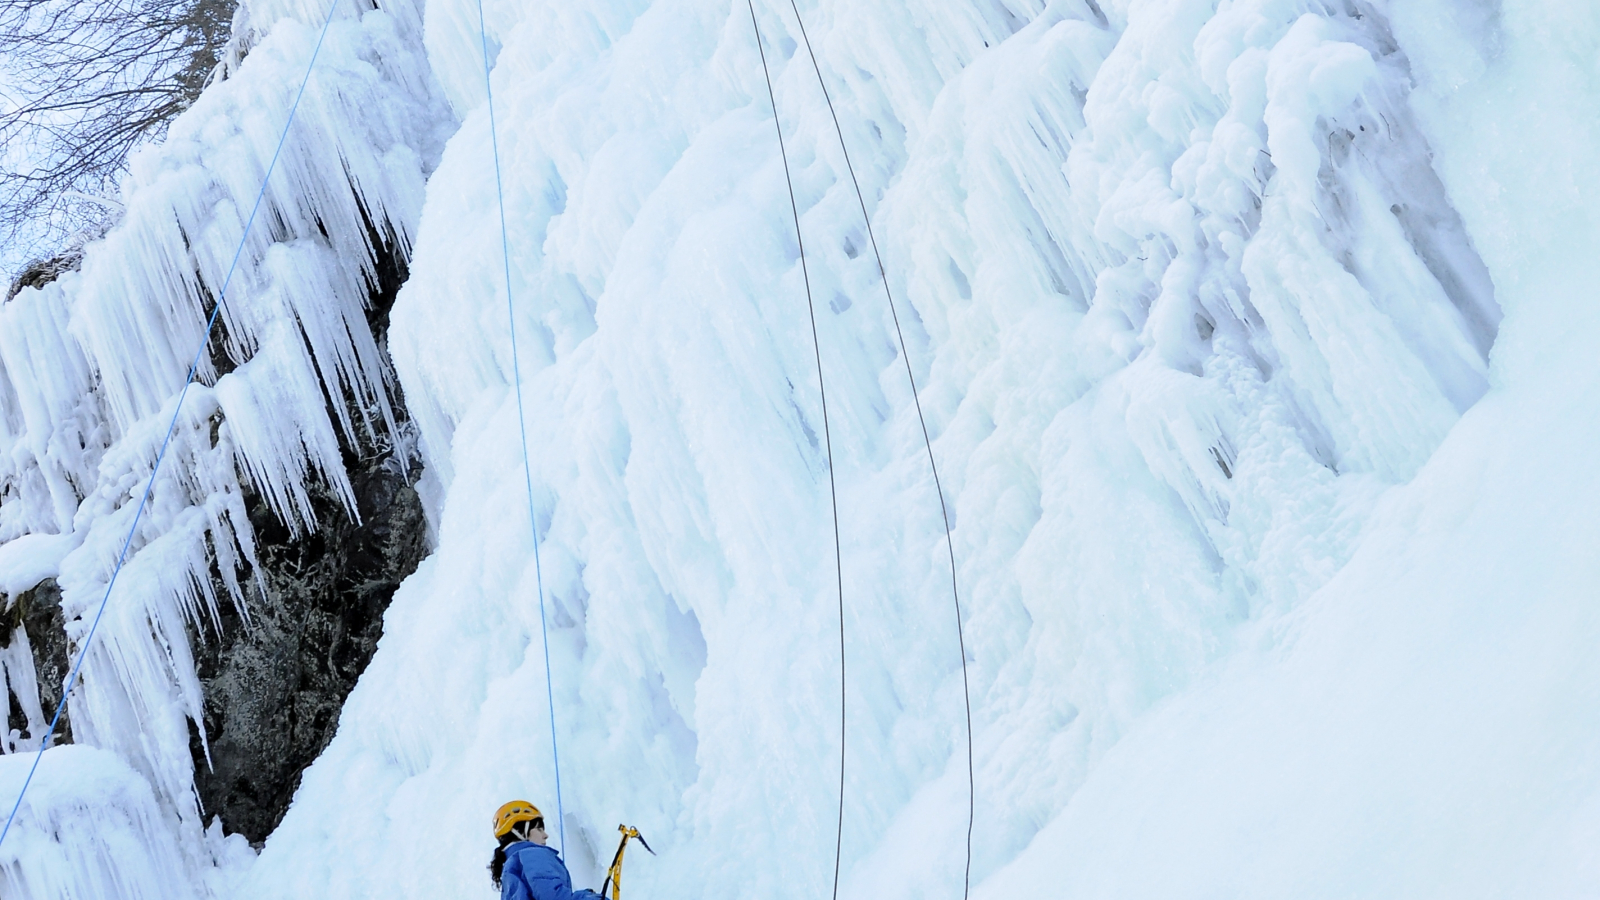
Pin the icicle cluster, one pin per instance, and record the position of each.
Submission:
(92, 367)
(91, 827)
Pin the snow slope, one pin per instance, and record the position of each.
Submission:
(1272, 571)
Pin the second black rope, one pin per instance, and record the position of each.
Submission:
(833, 493)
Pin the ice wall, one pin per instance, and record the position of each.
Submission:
(1195, 292)
(1186, 300)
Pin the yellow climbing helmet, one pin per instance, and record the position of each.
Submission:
(512, 813)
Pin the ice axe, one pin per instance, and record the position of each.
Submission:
(614, 873)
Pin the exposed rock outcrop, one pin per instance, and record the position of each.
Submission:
(274, 686)
(36, 616)
(39, 273)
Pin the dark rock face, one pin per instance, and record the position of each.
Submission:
(274, 686)
(41, 272)
(37, 612)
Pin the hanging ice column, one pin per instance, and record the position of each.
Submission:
(92, 366)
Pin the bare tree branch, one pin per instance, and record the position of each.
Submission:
(90, 81)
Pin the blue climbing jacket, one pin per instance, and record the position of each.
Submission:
(533, 872)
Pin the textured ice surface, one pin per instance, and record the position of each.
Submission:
(1423, 726)
(90, 827)
(1197, 294)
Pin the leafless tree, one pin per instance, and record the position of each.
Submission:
(84, 83)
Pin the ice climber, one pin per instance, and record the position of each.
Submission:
(524, 868)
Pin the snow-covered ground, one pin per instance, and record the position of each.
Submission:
(1255, 340)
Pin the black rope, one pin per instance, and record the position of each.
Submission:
(944, 510)
(816, 347)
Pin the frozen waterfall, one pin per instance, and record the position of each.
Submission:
(1253, 344)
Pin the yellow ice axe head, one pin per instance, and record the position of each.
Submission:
(614, 873)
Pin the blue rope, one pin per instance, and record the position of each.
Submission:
(171, 427)
(522, 427)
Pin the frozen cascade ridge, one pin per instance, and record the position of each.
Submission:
(1252, 341)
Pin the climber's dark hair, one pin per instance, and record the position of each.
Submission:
(497, 864)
